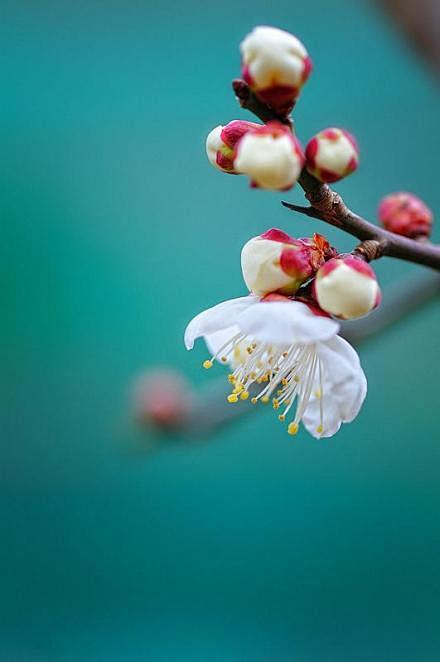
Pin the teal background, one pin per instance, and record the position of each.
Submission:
(252, 546)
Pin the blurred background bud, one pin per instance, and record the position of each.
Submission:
(161, 397)
(405, 214)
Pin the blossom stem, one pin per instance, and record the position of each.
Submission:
(327, 205)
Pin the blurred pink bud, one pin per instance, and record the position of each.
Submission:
(161, 397)
(275, 66)
(405, 214)
(331, 155)
(221, 142)
(346, 287)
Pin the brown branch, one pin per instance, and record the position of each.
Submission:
(328, 206)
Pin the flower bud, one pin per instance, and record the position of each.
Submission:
(331, 155)
(161, 397)
(346, 287)
(271, 156)
(275, 262)
(221, 142)
(275, 66)
(405, 214)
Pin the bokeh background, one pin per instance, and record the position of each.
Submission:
(247, 546)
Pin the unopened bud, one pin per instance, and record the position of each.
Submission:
(221, 142)
(275, 262)
(331, 155)
(161, 397)
(275, 66)
(271, 156)
(405, 214)
(346, 287)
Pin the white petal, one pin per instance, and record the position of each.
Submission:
(217, 318)
(285, 324)
(344, 389)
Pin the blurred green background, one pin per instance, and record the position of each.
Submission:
(252, 546)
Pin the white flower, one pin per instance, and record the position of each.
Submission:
(292, 354)
(274, 58)
(270, 156)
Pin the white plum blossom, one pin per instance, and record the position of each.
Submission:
(285, 350)
(271, 156)
(275, 65)
(346, 287)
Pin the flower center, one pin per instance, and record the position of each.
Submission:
(284, 375)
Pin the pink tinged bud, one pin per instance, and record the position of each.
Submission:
(275, 262)
(331, 155)
(275, 65)
(405, 214)
(221, 142)
(271, 156)
(161, 397)
(346, 287)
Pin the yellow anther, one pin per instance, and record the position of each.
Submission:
(249, 349)
(253, 375)
(265, 399)
(233, 397)
(285, 354)
(287, 402)
(319, 429)
(207, 364)
(275, 404)
(238, 388)
(318, 393)
(231, 378)
(296, 378)
(224, 359)
(284, 381)
(254, 401)
(281, 417)
(265, 378)
(244, 395)
(293, 428)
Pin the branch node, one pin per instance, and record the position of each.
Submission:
(369, 250)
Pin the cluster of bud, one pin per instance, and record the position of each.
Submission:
(275, 265)
(269, 154)
(221, 143)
